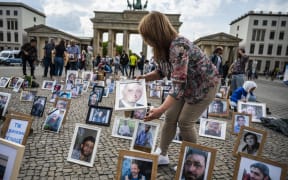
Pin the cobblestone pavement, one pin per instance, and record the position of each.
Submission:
(46, 153)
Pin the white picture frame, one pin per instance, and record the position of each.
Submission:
(133, 91)
(257, 110)
(87, 75)
(4, 101)
(54, 120)
(212, 128)
(48, 85)
(18, 85)
(83, 132)
(71, 77)
(4, 81)
(120, 128)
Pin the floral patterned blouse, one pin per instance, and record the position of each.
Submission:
(191, 71)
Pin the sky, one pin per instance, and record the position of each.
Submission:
(199, 17)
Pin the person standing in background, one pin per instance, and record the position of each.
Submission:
(48, 58)
(141, 63)
(133, 61)
(29, 54)
(60, 52)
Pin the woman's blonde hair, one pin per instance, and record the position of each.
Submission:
(157, 31)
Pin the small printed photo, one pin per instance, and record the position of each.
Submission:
(212, 128)
(18, 85)
(154, 93)
(139, 113)
(86, 86)
(54, 120)
(106, 92)
(257, 110)
(28, 95)
(71, 77)
(48, 85)
(80, 88)
(94, 98)
(13, 82)
(255, 167)
(224, 90)
(219, 107)
(75, 91)
(38, 106)
(65, 94)
(99, 115)
(4, 101)
(78, 81)
(124, 127)
(195, 162)
(144, 138)
(250, 141)
(4, 81)
(87, 76)
(62, 104)
(166, 87)
(99, 90)
(130, 95)
(136, 165)
(84, 144)
(239, 120)
(111, 87)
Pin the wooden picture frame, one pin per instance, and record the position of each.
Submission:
(4, 101)
(247, 133)
(149, 144)
(28, 96)
(54, 120)
(16, 128)
(257, 110)
(225, 91)
(63, 104)
(237, 121)
(82, 134)
(124, 127)
(38, 106)
(219, 108)
(99, 90)
(99, 115)
(48, 85)
(11, 156)
(130, 95)
(4, 81)
(265, 167)
(188, 150)
(147, 164)
(212, 128)
(13, 82)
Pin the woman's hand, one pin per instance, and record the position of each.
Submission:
(140, 77)
(154, 113)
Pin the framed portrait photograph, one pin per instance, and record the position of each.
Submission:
(4, 81)
(111, 87)
(48, 85)
(130, 95)
(224, 90)
(75, 91)
(11, 156)
(257, 110)
(136, 165)
(94, 98)
(18, 85)
(99, 115)
(99, 90)
(54, 120)
(219, 108)
(78, 81)
(255, 167)
(13, 82)
(38, 106)
(28, 95)
(62, 104)
(87, 75)
(16, 128)
(4, 101)
(139, 113)
(71, 77)
(145, 136)
(124, 127)
(239, 120)
(84, 144)
(65, 94)
(154, 93)
(86, 86)
(195, 156)
(250, 141)
(212, 128)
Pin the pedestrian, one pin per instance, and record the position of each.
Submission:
(29, 54)
(132, 64)
(73, 53)
(60, 52)
(48, 58)
(141, 63)
(225, 70)
(116, 63)
(238, 71)
(146, 67)
(124, 60)
(89, 57)
(194, 80)
(83, 60)
(217, 59)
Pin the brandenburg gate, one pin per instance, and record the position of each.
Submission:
(125, 22)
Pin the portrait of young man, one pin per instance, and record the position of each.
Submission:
(240, 120)
(258, 171)
(85, 150)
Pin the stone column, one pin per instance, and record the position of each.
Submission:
(111, 40)
(96, 42)
(126, 41)
(144, 49)
(225, 54)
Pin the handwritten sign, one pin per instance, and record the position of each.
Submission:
(16, 131)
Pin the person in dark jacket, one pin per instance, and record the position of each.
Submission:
(217, 59)
(29, 54)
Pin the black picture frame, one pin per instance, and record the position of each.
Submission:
(36, 109)
(98, 90)
(94, 111)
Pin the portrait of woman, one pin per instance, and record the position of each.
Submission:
(252, 144)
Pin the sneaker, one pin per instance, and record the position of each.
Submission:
(163, 160)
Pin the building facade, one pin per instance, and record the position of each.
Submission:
(14, 18)
(265, 38)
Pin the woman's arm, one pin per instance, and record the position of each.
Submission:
(154, 75)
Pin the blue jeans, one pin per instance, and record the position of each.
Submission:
(124, 69)
(59, 64)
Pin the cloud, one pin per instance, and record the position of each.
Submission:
(272, 5)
